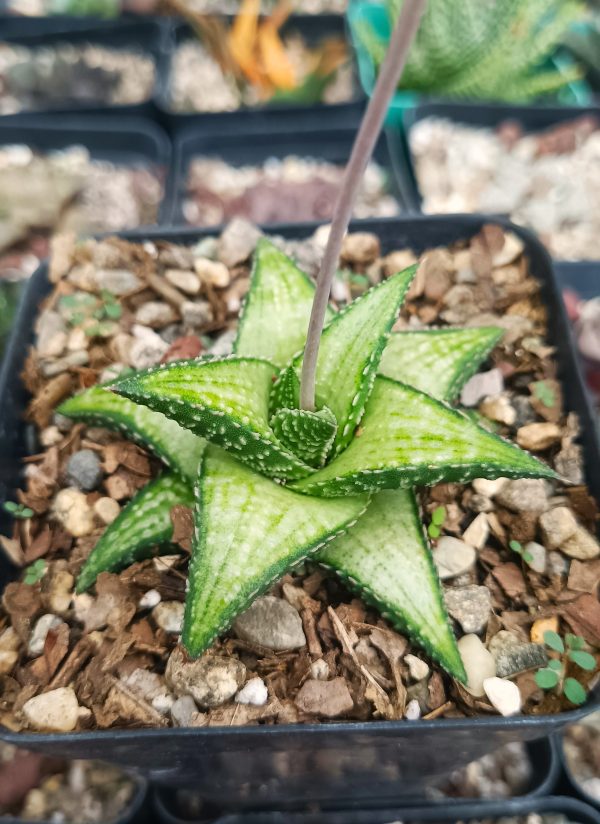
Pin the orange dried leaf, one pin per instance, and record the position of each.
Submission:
(275, 61)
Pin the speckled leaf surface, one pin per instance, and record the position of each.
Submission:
(179, 448)
(249, 532)
(386, 559)
(438, 361)
(408, 439)
(142, 525)
(350, 350)
(309, 435)
(223, 400)
(274, 320)
(285, 393)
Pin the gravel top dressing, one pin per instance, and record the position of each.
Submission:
(581, 745)
(518, 559)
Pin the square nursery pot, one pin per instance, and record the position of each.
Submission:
(542, 754)
(359, 762)
(484, 116)
(146, 37)
(293, 116)
(332, 146)
(569, 780)
(133, 142)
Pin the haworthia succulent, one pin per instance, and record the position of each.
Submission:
(225, 401)
(285, 393)
(438, 361)
(408, 439)
(350, 350)
(309, 435)
(142, 525)
(385, 557)
(274, 320)
(249, 532)
(179, 448)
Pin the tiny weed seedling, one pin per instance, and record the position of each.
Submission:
(95, 315)
(519, 549)
(17, 510)
(35, 572)
(551, 677)
(438, 516)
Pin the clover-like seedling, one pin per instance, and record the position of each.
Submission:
(551, 677)
(438, 516)
(35, 572)
(94, 314)
(517, 547)
(19, 511)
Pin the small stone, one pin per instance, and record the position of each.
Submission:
(147, 347)
(107, 509)
(60, 591)
(196, 314)
(538, 436)
(212, 272)
(480, 386)
(489, 488)
(51, 335)
(557, 526)
(54, 711)
(149, 599)
(360, 248)
(510, 251)
(558, 565)
(503, 695)
(152, 688)
(319, 670)
(524, 495)
(581, 545)
(73, 359)
(77, 340)
(413, 710)
(536, 557)
(237, 242)
(84, 470)
(169, 615)
(470, 606)
(184, 711)
(498, 408)
(73, 511)
(417, 668)
(211, 680)
(520, 658)
(253, 692)
(326, 698)
(272, 623)
(155, 314)
(8, 658)
(223, 345)
(541, 626)
(117, 281)
(42, 627)
(453, 557)
(478, 662)
(501, 641)
(184, 280)
(50, 436)
(477, 533)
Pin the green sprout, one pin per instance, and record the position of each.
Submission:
(520, 550)
(95, 315)
(18, 510)
(35, 572)
(438, 516)
(272, 483)
(552, 676)
(544, 392)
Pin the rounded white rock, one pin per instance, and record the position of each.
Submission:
(503, 695)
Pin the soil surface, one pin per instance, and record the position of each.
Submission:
(581, 744)
(318, 653)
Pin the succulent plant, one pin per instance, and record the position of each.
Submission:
(481, 49)
(276, 484)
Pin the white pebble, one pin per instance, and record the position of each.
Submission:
(255, 692)
(479, 663)
(503, 695)
(149, 599)
(412, 711)
(169, 615)
(54, 711)
(37, 638)
(319, 670)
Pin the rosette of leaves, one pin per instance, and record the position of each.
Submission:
(498, 50)
(272, 484)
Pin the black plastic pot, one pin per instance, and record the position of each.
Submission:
(581, 276)
(132, 141)
(570, 782)
(147, 37)
(333, 146)
(17, 25)
(362, 762)
(530, 118)
(543, 755)
(313, 29)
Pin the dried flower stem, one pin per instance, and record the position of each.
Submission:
(389, 77)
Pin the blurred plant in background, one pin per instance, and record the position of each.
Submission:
(492, 49)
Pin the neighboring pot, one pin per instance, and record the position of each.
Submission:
(360, 762)
(573, 783)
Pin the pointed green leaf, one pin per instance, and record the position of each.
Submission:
(249, 532)
(179, 448)
(309, 435)
(285, 393)
(142, 525)
(274, 320)
(386, 559)
(408, 439)
(350, 351)
(438, 361)
(225, 400)
(574, 692)
(554, 641)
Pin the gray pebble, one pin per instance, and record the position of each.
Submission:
(84, 470)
